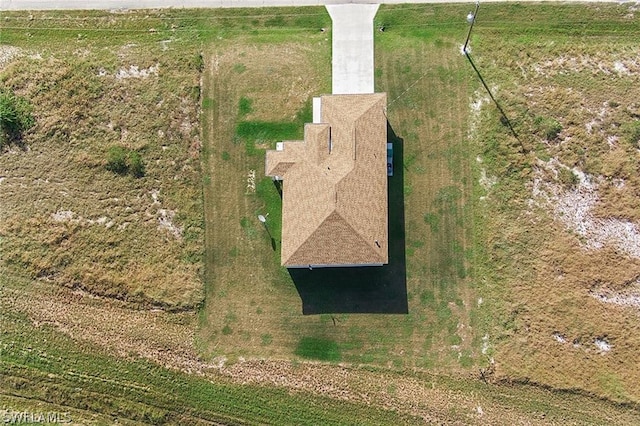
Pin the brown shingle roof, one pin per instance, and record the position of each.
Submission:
(334, 208)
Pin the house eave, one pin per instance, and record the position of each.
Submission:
(335, 265)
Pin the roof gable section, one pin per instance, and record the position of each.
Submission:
(363, 192)
(277, 163)
(307, 199)
(335, 242)
(343, 109)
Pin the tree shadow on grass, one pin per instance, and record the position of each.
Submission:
(371, 289)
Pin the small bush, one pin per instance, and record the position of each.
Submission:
(117, 160)
(136, 165)
(631, 131)
(15, 117)
(548, 128)
(124, 161)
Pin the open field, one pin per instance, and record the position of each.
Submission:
(495, 274)
(61, 354)
(65, 217)
(561, 204)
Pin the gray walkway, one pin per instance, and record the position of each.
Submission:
(352, 51)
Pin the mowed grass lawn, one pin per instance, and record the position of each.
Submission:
(256, 94)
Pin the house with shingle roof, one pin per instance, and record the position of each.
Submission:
(334, 192)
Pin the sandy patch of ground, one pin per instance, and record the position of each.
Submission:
(601, 344)
(629, 295)
(71, 217)
(165, 218)
(475, 106)
(165, 222)
(7, 54)
(597, 64)
(135, 72)
(574, 208)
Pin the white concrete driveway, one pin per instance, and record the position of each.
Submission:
(352, 51)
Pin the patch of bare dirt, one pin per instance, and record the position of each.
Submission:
(628, 295)
(7, 54)
(135, 71)
(574, 208)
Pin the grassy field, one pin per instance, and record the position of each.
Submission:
(502, 303)
(98, 363)
(560, 234)
(65, 217)
(468, 248)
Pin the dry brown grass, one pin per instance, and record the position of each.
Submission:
(548, 272)
(167, 338)
(67, 219)
(164, 337)
(556, 298)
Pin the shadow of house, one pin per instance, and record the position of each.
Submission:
(369, 289)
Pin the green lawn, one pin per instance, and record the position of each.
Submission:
(425, 78)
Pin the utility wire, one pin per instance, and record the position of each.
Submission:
(406, 90)
(492, 97)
